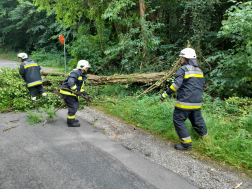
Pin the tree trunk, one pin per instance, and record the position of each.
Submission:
(142, 12)
(94, 80)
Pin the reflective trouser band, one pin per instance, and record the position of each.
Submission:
(34, 83)
(33, 98)
(70, 117)
(67, 93)
(185, 105)
(44, 94)
(186, 140)
(204, 137)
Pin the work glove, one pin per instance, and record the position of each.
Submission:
(86, 96)
(84, 93)
(163, 96)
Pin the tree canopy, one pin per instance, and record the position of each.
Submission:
(129, 36)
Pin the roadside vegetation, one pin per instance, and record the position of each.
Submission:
(229, 121)
(129, 36)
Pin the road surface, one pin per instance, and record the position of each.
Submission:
(56, 156)
(8, 63)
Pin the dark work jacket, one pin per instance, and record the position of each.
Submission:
(75, 77)
(30, 72)
(189, 83)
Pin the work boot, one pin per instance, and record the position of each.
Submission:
(76, 121)
(183, 146)
(74, 124)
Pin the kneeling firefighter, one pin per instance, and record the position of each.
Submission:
(189, 83)
(75, 82)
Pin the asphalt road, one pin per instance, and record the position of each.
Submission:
(8, 63)
(13, 64)
(56, 156)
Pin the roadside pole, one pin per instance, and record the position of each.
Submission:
(65, 54)
(62, 41)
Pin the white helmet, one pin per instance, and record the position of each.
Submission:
(188, 53)
(83, 64)
(22, 55)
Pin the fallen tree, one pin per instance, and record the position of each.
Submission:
(94, 80)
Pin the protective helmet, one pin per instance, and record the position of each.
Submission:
(83, 64)
(188, 53)
(22, 55)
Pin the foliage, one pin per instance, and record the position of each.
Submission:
(233, 74)
(49, 59)
(50, 112)
(9, 55)
(25, 28)
(33, 118)
(42, 113)
(14, 93)
(5, 8)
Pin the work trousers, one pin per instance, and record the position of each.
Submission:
(33, 90)
(198, 123)
(73, 105)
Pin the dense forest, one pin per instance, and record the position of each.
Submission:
(129, 36)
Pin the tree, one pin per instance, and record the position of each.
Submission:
(233, 75)
(5, 8)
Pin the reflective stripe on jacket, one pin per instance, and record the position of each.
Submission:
(189, 83)
(75, 77)
(30, 72)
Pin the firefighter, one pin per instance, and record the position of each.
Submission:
(75, 81)
(30, 72)
(189, 83)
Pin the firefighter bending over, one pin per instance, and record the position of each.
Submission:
(30, 72)
(75, 81)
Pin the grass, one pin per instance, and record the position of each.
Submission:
(9, 55)
(230, 140)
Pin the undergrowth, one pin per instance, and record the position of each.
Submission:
(14, 95)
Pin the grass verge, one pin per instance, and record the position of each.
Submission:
(230, 140)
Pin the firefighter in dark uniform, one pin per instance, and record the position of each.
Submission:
(75, 81)
(189, 83)
(30, 72)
